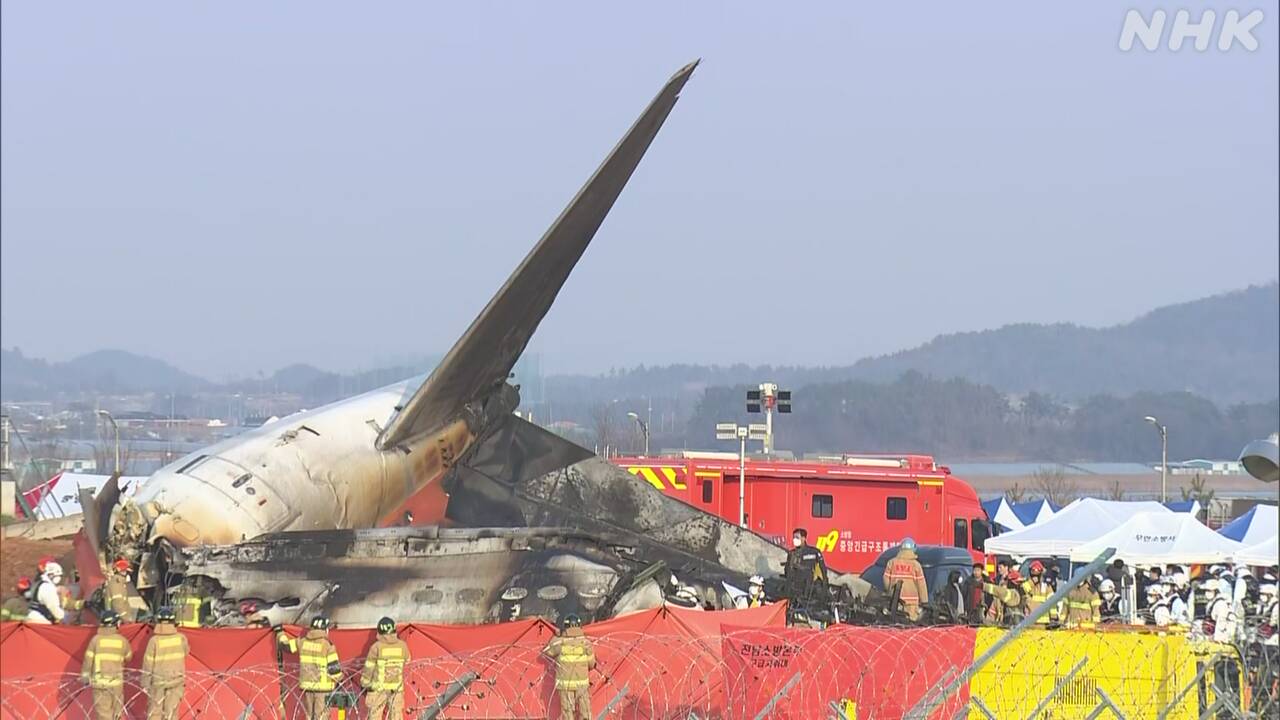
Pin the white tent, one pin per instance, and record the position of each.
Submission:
(1160, 538)
(1045, 512)
(1001, 513)
(1260, 524)
(1263, 554)
(1078, 523)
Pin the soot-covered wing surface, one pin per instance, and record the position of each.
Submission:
(483, 357)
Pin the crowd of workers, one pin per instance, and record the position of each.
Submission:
(1222, 603)
(164, 662)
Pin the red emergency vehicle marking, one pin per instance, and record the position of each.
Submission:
(649, 476)
(827, 543)
(670, 474)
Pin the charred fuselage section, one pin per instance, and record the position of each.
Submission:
(597, 497)
(422, 574)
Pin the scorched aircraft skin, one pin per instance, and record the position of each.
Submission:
(350, 466)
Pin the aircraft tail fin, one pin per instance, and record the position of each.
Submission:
(483, 357)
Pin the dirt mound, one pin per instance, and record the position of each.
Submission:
(18, 557)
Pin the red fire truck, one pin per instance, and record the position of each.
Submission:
(853, 507)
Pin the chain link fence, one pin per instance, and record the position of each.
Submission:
(842, 672)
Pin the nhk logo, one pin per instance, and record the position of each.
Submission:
(1235, 28)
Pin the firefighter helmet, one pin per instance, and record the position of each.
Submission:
(110, 618)
(572, 620)
(908, 543)
(320, 622)
(1037, 567)
(122, 565)
(24, 584)
(166, 615)
(386, 626)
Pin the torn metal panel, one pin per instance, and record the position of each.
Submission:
(428, 574)
(596, 496)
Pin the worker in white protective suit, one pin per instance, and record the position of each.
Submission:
(1219, 619)
(1269, 626)
(46, 601)
(1157, 605)
(1180, 611)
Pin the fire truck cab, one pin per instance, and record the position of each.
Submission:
(853, 508)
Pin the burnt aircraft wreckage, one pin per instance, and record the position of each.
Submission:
(298, 515)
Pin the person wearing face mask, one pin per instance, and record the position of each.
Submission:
(1109, 611)
(804, 561)
(46, 601)
(805, 571)
(755, 592)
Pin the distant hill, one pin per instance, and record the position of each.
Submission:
(103, 371)
(1225, 347)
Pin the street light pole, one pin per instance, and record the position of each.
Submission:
(115, 427)
(644, 429)
(741, 433)
(742, 477)
(1164, 457)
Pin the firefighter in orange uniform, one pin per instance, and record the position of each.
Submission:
(17, 607)
(904, 570)
(318, 669)
(574, 658)
(115, 595)
(164, 667)
(383, 674)
(103, 668)
(1035, 592)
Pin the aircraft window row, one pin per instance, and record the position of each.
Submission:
(895, 508)
(823, 506)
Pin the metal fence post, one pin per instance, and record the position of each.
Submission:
(454, 689)
(768, 707)
(927, 705)
(609, 706)
(1057, 688)
(1204, 669)
(1104, 705)
(981, 708)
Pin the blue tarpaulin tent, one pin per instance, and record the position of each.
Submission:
(1256, 526)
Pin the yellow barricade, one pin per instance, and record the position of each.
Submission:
(1142, 673)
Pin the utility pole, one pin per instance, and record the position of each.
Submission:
(1164, 457)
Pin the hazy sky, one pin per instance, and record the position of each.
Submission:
(236, 186)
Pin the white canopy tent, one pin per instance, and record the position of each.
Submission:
(1262, 554)
(1078, 523)
(1043, 513)
(1260, 524)
(1160, 538)
(1001, 513)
